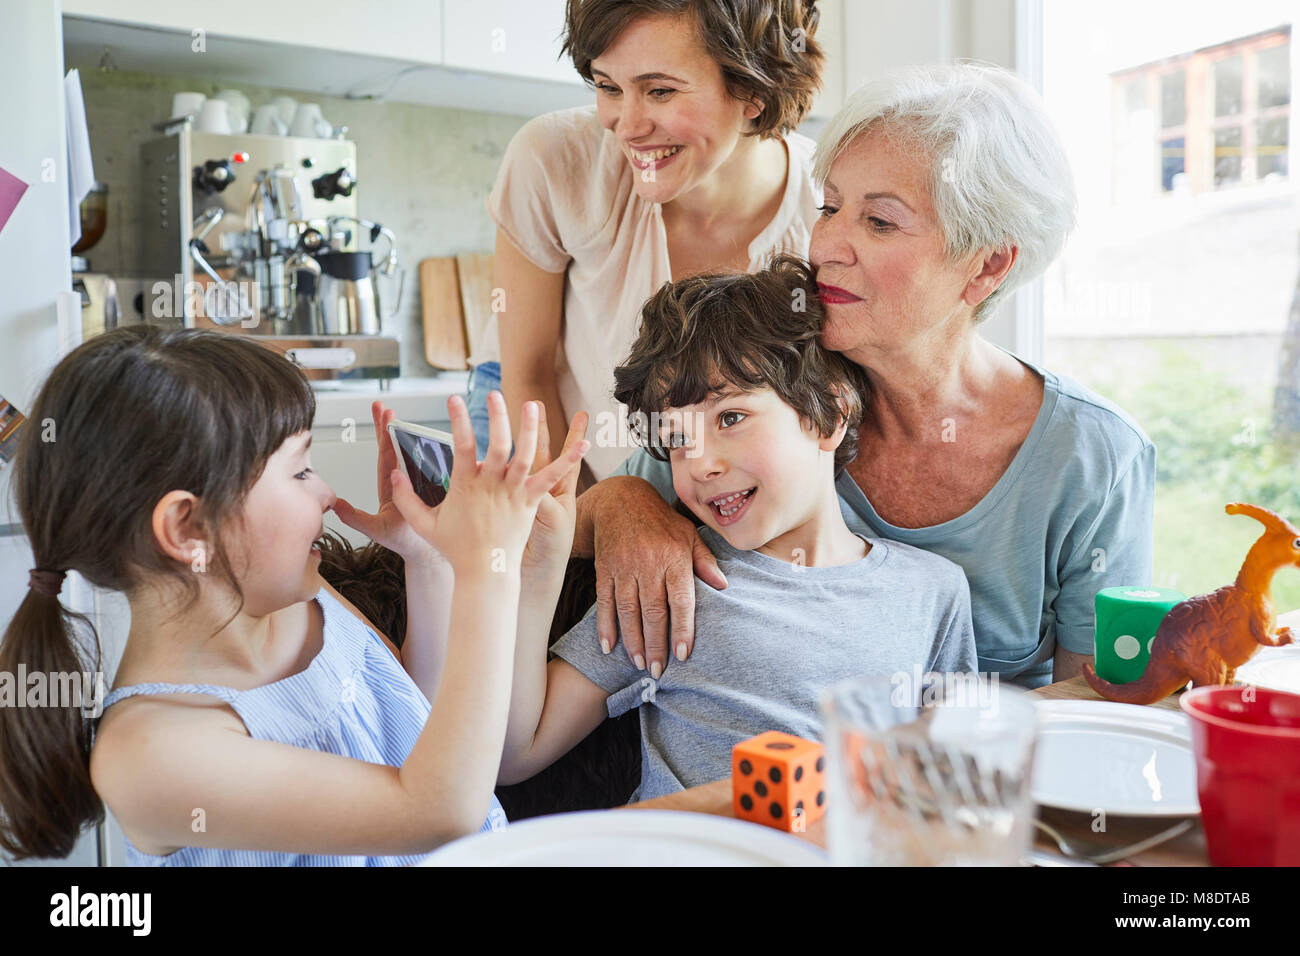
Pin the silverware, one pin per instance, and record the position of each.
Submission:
(1081, 850)
(1039, 858)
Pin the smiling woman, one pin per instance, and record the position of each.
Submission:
(686, 163)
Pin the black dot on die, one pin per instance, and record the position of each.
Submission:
(760, 788)
(799, 805)
(746, 767)
(747, 801)
(798, 774)
(821, 797)
(775, 774)
(780, 745)
(821, 764)
(775, 810)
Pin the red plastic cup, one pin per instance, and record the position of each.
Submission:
(1247, 744)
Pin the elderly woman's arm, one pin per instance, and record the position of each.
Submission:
(646, 557)
(1117, 551)
(1067, 664)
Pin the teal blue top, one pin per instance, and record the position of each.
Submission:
(354, 699)
(1072, 514)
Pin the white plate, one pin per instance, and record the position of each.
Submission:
(1273, 668)
(1121, 758)
(630, 838)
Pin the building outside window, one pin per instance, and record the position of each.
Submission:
(1178, 296)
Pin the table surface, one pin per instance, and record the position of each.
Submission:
(1185, 850)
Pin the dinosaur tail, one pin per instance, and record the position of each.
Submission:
(1157, 682)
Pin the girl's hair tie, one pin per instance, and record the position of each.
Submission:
(45, 581)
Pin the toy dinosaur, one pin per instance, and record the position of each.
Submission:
(1206, 638)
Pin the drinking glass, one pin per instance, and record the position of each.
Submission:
(928, 770)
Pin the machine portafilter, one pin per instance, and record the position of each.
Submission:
(230, 305)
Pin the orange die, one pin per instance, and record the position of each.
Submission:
(778, 780)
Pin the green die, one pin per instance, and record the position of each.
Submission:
(1126, 621)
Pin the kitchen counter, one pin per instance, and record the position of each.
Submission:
(413, 399)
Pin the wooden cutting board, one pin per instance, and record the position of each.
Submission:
(475, 272)
(445, 343)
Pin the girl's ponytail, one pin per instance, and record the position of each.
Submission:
(45, 738)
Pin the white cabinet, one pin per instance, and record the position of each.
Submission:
(397, 29)
(500, 49)
(508, 37)
(486, 54)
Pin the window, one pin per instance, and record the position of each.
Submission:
(1223, 112)
(1173, 99)
(1174, 296)
(1271, 149)
(1274, 76)
(1227, 86)
(1172, 165)
(1227, 155)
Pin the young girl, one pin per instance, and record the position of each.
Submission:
(257, 717)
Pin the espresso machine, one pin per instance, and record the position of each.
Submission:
(262, 237)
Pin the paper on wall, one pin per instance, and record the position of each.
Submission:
(11, 190)
(81, 171)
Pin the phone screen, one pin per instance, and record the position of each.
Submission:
(428, 465)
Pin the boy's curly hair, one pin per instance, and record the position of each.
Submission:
(704, 333)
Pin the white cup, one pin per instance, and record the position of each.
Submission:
(187, 104)
(214, 117)
(287, 106)
(238, 107)
(266, 121)
(307, 121)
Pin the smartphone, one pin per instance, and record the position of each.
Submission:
(424, 455)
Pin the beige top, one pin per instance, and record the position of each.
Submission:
(565, 197)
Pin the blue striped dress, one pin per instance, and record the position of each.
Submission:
(354, 699)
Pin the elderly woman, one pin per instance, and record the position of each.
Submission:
(945, 188)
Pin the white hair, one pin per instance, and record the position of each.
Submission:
(998, 173)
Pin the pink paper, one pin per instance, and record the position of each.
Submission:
(11, 190)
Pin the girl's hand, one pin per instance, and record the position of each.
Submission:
(387, 527)
(552, 536)
(485, 521)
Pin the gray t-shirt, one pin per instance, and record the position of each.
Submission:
(768, 645)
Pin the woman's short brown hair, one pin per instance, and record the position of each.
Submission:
(765, 47)
(704, 333)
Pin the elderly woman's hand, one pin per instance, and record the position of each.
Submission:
(647, 556)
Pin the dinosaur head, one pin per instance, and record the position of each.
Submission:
(1282, 537)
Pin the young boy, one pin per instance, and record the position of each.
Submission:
(728, 380)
